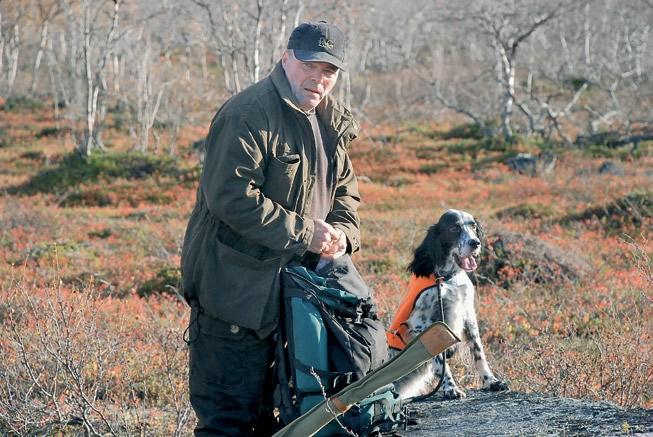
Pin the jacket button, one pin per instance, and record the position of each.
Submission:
(234, 329)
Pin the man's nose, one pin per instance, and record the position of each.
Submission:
(318, 77)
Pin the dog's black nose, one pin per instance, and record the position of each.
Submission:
(474, 243)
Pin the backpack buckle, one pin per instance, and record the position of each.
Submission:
(359, 315)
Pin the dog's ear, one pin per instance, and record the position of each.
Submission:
(428, 254)
(438, 249)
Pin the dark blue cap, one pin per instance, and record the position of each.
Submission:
(319, 42)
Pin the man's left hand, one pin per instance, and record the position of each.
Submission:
(337, 247)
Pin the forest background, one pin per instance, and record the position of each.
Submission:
(534, 116)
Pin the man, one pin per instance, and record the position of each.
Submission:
(277, 185)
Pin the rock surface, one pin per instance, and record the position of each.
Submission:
(524, 414)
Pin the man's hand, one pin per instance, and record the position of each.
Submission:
(323, 235)
(337, 248)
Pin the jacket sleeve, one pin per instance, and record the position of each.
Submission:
(344, 213)
(232, 177)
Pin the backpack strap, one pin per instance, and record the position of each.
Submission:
(349, 306)
(332, 378)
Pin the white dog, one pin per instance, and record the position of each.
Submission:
(449, 251)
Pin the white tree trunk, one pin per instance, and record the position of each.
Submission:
(39, 55)
(95, 90)
(225, 73)
(588, 36)
(508, 83)
(14, 50)
(54, 81)
(256, 70)
(234, 71)
(91, 90)
(2, 46)
(281, 34)
(144, 91)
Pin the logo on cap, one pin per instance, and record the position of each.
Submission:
(326, 43)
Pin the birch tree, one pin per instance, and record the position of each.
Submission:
(11, 44)
(506, 32)
(45, 14)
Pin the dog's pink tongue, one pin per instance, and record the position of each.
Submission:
(468, 263)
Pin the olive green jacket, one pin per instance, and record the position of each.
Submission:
(256, 185)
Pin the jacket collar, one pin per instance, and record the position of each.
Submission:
(335, 115)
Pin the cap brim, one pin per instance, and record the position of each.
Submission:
(311, 56)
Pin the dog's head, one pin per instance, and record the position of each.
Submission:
(452, 244)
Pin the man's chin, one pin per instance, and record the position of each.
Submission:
(308, 106)
(312, 104)
(311, 99)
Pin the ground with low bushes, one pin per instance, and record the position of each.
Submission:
(92, 324)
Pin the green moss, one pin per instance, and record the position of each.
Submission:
(4, 139)
(422, 130)
(34, 155)
(634, 209)
(432, 168)
(74, 170)
(576, 83)
(622, 153)
(166, 280)
(18, 104)
(526, 211)
(51, 131)
(465, 131)
(46, 252)
(102, 233)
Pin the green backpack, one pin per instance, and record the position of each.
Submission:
(330, 337)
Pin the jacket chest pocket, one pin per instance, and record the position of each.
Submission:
(282, 179)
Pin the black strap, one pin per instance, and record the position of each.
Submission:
(198, 309)
(333, 378)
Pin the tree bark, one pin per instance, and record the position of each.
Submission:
(39, 55)
(14, 50)
(94, 81)
(256, 69)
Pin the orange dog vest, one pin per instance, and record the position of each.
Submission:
(396, 334)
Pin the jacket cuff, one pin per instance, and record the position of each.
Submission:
(352, 240)
(306, 237)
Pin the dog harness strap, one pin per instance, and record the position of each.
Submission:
(396, 334)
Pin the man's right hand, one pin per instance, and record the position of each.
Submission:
(323, 235)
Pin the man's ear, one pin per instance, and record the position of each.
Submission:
(284, 57)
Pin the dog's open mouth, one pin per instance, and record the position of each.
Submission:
(467, 263)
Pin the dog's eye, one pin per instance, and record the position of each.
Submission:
(474, 226)
(455, 228)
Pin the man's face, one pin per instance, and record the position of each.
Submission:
(310, 82)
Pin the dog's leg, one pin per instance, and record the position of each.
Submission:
(490, 382)
(449, 388)
(430, 374)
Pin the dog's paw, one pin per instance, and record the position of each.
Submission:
(497, 386)
(454, 393)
